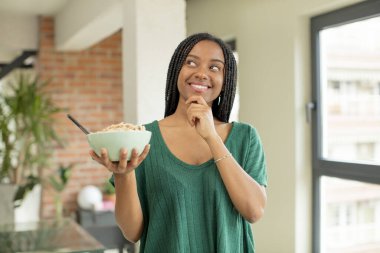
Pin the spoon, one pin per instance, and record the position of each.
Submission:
(78, 125)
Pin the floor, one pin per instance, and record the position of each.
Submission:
(114, 251)
(136, 250)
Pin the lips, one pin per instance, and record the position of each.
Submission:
(199, 87)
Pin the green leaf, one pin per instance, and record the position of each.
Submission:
(55, 184)
(27, 130)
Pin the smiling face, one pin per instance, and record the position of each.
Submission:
(202, 72)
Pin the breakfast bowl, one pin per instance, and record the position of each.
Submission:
(116, 137)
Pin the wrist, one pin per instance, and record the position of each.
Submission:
(124, 176)
(222, 158)
(214, 140)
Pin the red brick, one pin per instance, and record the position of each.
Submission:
(89, 85)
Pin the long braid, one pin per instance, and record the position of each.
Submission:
(221, 110)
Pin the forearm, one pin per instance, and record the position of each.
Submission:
(128, 208)
(248, 197)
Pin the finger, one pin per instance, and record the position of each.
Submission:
(196, 116)
(93, 154)
(198, 108)
(144, 153)
(133, 162)
(95, 157)
(99, 160)
(103, 154)
(194, 105)
(106, 161)
(204, 110)
(122, 159)
(195, 113)
(196, 99)
(191, 119)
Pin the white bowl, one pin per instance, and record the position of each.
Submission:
(113, 141)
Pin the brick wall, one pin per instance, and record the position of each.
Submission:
(89, 85)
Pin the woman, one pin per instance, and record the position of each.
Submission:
(204, 179)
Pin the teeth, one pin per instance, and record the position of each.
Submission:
(200, 87)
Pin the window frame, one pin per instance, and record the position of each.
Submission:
(367, 173)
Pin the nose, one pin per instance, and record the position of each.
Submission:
(201, 74)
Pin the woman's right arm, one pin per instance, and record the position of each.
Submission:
(128, 210)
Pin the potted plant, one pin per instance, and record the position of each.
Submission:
(58, 183)
(27, 133)
(109, 192)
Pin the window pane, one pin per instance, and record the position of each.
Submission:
(350, 216)
(234, 116)
(350, 92)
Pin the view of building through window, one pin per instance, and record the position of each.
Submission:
(350, 221)
(351, 91)
(235, 108)
(350, 80)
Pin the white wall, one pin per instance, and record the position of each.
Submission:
(274, 78)
(18, 33)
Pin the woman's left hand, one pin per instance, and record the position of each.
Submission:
(199, 114)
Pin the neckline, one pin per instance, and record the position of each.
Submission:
(179, 161)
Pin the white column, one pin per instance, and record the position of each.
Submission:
(151, 32)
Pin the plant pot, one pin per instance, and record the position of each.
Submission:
(29, 210)
(7, 191)
(109, 197)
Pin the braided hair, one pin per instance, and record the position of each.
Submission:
(222, 106)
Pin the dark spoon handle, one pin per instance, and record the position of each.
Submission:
(77, 124)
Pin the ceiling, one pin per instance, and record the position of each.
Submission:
(32, 7)
(78, 24)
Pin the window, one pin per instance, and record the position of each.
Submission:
(346, 129)
(235, 108)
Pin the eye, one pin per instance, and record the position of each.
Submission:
(215, 68)
(190, 63)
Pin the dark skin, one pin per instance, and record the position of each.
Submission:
(194, 136)
(177, 136)
(199, 83)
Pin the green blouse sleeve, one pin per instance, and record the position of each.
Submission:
(254, 162)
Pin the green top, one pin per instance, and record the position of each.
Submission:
(186, 207)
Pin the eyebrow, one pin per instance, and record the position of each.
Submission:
(196, 57)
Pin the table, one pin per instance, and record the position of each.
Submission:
(102, 226)
(64, 236)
